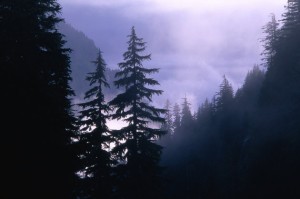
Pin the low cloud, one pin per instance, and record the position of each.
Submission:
(193, 42)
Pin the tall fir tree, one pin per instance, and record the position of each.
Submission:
(271, 32)
(35, 75)
(186, 118)
(136, 149)
(225, 96)
(94, 137)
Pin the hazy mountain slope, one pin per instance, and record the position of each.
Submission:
(83, 52)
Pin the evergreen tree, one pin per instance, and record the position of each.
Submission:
(214, 104)
(204, 114)
(186, 116)
(291, 18)
(269, 42)
(224, 98)
(177, 118)
(247, 96)
(280, 114)
(94, 138)
(137, 152)
(35, 75)
(250, 146)
(283, 76)
(168, 125)
(246, 100)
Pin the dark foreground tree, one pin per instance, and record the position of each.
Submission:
(35, 75)
(136, 150)
(94, 138)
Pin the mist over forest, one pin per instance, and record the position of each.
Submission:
(207, 115)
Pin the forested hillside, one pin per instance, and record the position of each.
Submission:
(242, 144)
(83, 53)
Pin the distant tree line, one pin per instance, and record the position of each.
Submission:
(244, 144)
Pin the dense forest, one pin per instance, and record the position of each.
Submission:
(238, 145)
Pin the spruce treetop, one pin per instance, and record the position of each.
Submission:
(135, 143)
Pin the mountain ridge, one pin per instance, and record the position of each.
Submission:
(84, 51)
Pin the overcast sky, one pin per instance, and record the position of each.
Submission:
(194, 42)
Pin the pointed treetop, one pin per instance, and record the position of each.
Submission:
(133, 30)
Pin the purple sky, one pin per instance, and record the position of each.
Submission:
(194, 42)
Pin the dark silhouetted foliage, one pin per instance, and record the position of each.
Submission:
(246, 145)
(35, 76)
(94, 137)
(83, 51)
(241, 145)
(136, 150)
